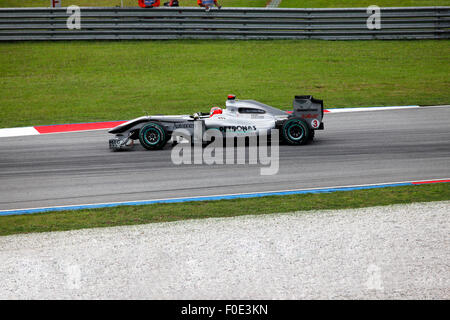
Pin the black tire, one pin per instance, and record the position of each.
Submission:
(311, 135)
(295, 131)
(153, 136)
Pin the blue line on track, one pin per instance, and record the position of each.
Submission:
(203, 198)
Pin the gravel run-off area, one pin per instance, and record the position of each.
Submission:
(393, 252)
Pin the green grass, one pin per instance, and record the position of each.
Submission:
(66, 82)
(361, 3)
(127, 3)
(132, 215)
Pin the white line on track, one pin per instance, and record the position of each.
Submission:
(221, 195)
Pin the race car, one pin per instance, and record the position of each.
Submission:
(239, 118)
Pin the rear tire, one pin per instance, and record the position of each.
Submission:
(311, 135)
(295, 131)
(153, 136)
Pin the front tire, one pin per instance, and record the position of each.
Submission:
(295, 131)
(153, 136)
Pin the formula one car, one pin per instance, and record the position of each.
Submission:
(240, 118)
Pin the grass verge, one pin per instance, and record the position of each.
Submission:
(67, 82)
(132, 215)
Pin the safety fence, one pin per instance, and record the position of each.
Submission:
(89, 23)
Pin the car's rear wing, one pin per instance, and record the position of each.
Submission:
(309, 109)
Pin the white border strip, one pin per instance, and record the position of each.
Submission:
(18, 132)
(366, 109)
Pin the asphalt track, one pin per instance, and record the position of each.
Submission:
(355, 148)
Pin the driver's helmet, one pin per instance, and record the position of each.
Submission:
(215, 110)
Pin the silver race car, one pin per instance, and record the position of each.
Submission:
(239, 118)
